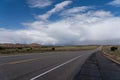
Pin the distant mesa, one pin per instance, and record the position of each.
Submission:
(17, 45)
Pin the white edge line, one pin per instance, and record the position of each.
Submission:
(56, 67)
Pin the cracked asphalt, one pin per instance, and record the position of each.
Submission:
(98, 67)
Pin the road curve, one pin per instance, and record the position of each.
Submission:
(43, 66)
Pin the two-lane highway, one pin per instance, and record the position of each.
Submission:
(42, 66)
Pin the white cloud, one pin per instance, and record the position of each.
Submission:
(57, 8)
(25, 36)
(100, 13)
(90, 27)
(115, 3)
(75, 10)
(39, 3)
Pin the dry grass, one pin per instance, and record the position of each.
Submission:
(46, 49)
(113, 54)
(69, 48)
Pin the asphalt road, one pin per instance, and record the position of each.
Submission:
(43, 66)
(98, 67)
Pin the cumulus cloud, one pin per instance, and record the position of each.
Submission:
(57, 8)
(115, 3)
(87, 27)
(38, 3)
(25, 36)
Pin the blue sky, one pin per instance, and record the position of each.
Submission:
(37, 18)
(15, 12)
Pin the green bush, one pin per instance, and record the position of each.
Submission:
(1, 48)
(113, 48)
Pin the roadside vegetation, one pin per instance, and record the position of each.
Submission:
(112, 51)
(44, 49)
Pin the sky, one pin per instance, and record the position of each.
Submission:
(60, 22)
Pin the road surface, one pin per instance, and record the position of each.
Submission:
(98, 67)
(76, 65)
(43, 66)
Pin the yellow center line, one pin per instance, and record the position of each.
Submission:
(20, 61)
